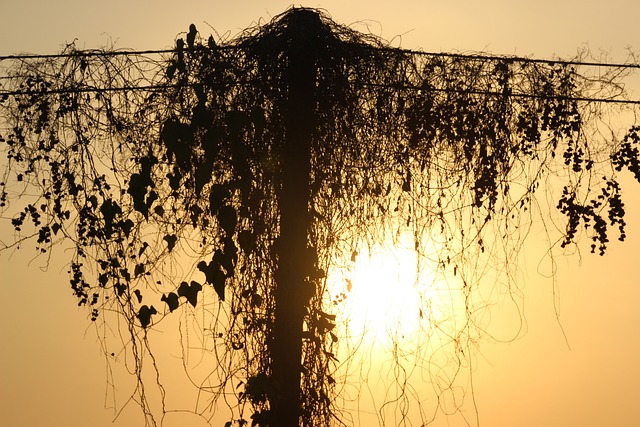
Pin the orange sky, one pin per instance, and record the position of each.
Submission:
(51, 369)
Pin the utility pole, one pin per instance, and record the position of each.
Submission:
(293, 291)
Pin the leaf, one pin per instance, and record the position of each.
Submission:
(207, 269)
(228, 218)
(211, 43)
(124, 273)
(258, 388)
(218, 283)
(214, 275)
(109, 210)
(406, 184)
(126, 226)
(171, 241)
(172, 301)
(138, 295)
(74, 189)
(171, 70)
(55, 227)
(93, 201)
(145, 245)
(190, 291)
(191, 36)
(103, 279)
(195, 214)
(138, 190)
(178, 139)
(138, 270)
(147, 163)
(120, 288)
(144, 315)
(326, 322)
(174, 179)
(329, 316)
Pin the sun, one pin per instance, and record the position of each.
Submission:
(400, 326)
(382, 294)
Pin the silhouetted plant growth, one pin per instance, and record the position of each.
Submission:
(233, 182)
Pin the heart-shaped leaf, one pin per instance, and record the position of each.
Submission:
(172, 300)
(190, 291)
(144, 315)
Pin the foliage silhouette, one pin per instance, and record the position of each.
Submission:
(197, 180)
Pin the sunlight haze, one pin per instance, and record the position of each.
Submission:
(560, 350)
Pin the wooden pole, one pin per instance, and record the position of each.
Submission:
(292, 292)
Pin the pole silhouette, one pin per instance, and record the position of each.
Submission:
(293, 289)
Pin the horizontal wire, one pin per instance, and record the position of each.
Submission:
(152, 88)
(509, 95)
(149, 88)
(508, 58)
(390, 49)
(87, 53)
(479, 56)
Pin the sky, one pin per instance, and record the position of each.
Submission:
(578, 369)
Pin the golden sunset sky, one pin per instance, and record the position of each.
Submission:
(578, 369)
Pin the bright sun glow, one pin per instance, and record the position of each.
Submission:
(382, 294)
(383, 299)
(398, 315)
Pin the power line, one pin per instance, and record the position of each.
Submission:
(159, 87)
(479, 56)
(84, 53)
(508, 58)
(149, 88)
(511, 94)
